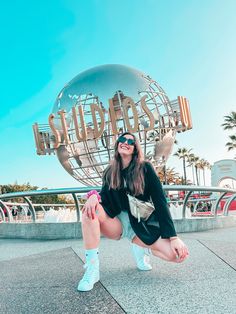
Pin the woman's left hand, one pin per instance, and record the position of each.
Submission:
(179, 249)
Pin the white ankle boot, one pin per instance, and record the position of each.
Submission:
(91, 275)
(142, 257)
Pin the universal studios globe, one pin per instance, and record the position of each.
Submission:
(96, 106)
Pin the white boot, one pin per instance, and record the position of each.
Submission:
(91, 275)
(142, 257)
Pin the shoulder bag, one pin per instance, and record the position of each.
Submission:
(139, 209)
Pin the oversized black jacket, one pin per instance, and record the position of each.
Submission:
(159, 223)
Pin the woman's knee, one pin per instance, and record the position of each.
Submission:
(162, 249)
(85, 220)
(101, 215)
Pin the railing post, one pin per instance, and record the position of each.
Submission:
(9, 214)
(31, 208)
(185, 204)
(24, 210)
(2, 213)
(227, 205)
(76, 206)
(195, 207)
(218, 202)
(44, 211)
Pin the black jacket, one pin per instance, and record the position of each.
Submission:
(159, 223)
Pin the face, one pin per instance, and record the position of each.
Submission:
(126, 145)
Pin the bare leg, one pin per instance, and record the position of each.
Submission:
(91, 232)
(92, 228)
(102, 223)
(161, 248)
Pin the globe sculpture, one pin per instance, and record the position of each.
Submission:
(99, 104)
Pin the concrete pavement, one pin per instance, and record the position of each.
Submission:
(39, 276)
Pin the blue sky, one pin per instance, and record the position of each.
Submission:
(188, 47)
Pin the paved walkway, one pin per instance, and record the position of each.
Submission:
(41, 277)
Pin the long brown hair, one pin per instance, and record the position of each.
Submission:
(135, 175)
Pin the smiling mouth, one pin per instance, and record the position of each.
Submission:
(124, 147)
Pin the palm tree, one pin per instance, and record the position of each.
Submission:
(190, 161)
(202, 165)
(196, 160)
(230, 121)
(183, 153)
(231, 145)
(207, 166)
(168, 175)
(179, 181)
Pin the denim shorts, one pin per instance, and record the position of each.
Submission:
(127, 232)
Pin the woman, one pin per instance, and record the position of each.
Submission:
(108, 213)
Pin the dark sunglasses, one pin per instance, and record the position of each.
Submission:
(123, 139)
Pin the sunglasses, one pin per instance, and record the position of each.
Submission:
(123, 139)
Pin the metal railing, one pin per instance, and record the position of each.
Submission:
(218, 194)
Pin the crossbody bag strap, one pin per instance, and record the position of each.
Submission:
(136, 209)
(125, 186)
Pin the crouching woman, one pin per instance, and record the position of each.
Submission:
(108, 213)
